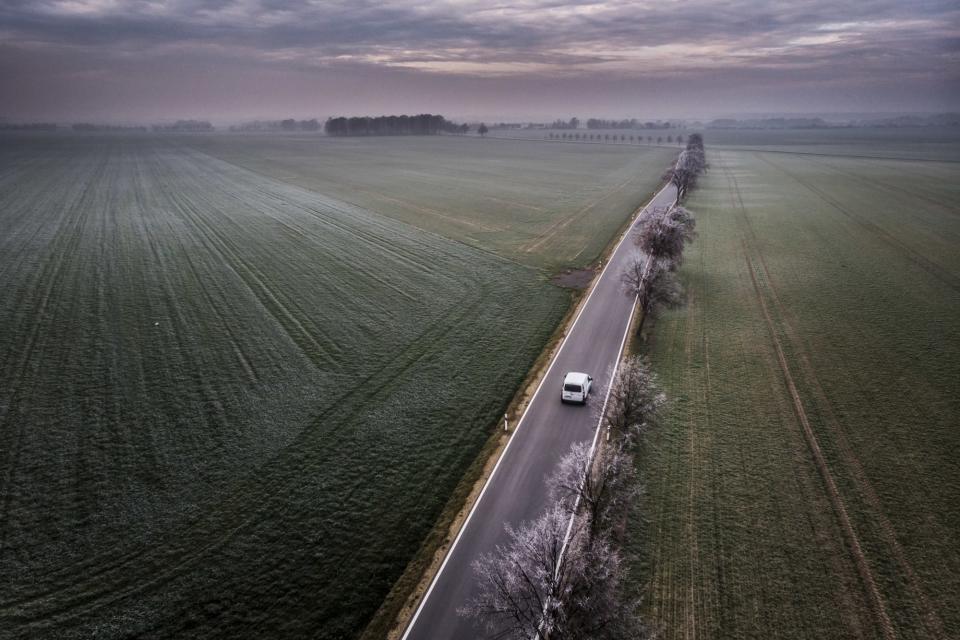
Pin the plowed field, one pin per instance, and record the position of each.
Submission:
(230, 406)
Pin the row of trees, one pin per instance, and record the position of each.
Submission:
(690, 164)
(597, 123)
(89, 126)
(183, 125)
(632, 123)
(563, 575)
(613, 137)
(572, 123)
(28, 126)
(279, 125)
(663, 234)
(179, 125)
(650, 275)
(424, 124)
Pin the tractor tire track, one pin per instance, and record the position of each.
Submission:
(946, 207)
(551, 231)
(850, 460)
(878, 604)
(162, 565)
(49, 279)
(852, 463)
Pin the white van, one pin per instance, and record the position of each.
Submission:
(576, 387)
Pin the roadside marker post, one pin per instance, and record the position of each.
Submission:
(506, 425)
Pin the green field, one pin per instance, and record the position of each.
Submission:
(913, 143)
(904, 143)
(232, 406)
(834, 513)
(546, 205)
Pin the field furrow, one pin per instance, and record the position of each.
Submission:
(826, 434)
(232, 406)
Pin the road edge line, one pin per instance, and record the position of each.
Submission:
(596, 432)
(473, 509)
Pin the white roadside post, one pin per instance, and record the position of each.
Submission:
(506, 425)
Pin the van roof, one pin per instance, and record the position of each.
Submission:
(575, 377)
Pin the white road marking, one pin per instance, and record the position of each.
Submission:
(466, 523)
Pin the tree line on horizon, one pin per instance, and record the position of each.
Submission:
(183, 125)
(597, 123)
(28, 126)
(178, 126)
(632, 123)
(89, 126)
(613, 137)
(424, 124)
(287, 124)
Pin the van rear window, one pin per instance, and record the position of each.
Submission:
(575, 388)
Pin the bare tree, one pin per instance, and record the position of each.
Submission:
(536, 587)
(655, 286)
(690, 164)
(520, 580)
(596, 489)
(634, 402)
(562, 576)
(695, 147)
(634, 275)
(664, 232)
(684, 173)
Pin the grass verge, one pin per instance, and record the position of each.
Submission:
(394, 615)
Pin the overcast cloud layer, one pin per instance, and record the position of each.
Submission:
(228, 60)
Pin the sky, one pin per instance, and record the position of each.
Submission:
(227, 61)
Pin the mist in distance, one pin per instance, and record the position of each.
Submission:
(227, 61)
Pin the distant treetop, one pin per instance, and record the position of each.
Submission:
(424, 124)
(184, 125)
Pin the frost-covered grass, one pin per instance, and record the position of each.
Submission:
(230, 406)
(852, 267)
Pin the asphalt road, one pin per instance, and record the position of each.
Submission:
(516, 490)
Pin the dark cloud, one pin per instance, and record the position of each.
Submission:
(880, 44)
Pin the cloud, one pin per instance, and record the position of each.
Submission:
(877, 41)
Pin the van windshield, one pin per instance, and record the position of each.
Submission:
(575, 388)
